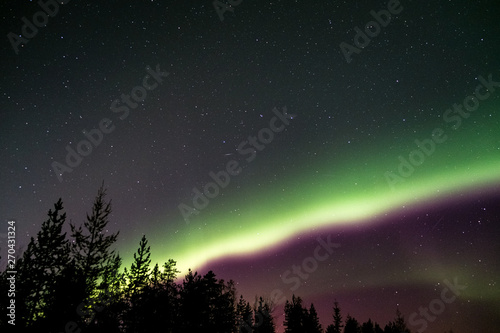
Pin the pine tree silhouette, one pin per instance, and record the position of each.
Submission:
(159, 301)
(40, 271)
(294, 315)
(207, 304)
(337, 325)
(398, 325)
(311, 321)
(91, 252)
(351, 325)
(137, 280)
(368, 327)
(244, 316)
(77, 284)
(264, 322)
(138, 276)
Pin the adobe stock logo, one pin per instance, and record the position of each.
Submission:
(95, 136)
(295, 276)
(309, 265)
(436, 306)
(427, 147)
(222, 178)
(39, 20)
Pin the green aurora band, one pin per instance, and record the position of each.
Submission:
(356, 193)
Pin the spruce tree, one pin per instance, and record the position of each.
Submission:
(264, 321)
(137, 281)
(109, 304)
(192, 310)
(398, 325)
(138, 276)
(337, 325)
(41, 268)
(311, 324)
(244, 314)
(91, 253)
(400, 322)
(294, 315)
(368, 327)
(351, 325)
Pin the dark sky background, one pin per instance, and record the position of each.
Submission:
(331, 172)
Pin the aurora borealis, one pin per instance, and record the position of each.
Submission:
(324, 175)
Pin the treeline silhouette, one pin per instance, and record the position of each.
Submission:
(74, 283)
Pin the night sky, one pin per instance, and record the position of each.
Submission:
(390, 150)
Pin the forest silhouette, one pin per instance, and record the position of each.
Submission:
(74, 283)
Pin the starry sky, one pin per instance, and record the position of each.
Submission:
(391, 151)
